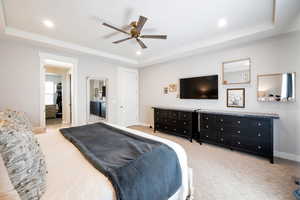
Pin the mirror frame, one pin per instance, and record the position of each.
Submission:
(88, 79)
(233, 61)
(275, 74)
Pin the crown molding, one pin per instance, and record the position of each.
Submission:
(58, 43)
(214, 44)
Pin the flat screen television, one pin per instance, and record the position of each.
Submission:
(204, 87)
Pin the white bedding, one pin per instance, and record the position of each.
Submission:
(72, 177)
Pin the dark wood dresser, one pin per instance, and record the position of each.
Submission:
(179, 122)
(251, 133)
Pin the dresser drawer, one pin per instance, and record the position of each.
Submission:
(263, 135)
(185, 131)
(224, 120)
(184, 123)
(208, 135)
(259, 124)
(224, 139)
(173, 114)
(161, 113)
(185, 116)
(208, 118)
(259, 147)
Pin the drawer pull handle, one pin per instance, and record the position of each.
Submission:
(221, 120)
(259, 147)
(184, 131)
(222, 129)
(259, 135)
(206, 118)
(206, 126)
(175, 129)
(207, 136)
(238, 131)
(239, 142)
(222, 139)
(184, 123)
(238, 122)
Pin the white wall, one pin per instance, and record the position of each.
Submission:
(273, 55)
(19, 79)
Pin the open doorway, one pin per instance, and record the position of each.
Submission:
(57, 95)
(58, 91)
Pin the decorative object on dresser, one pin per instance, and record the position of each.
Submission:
(247, 132)
(236, 97)
(176, 121)
(236, 71)
(276, 87)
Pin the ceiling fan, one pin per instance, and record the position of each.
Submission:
(135, 32)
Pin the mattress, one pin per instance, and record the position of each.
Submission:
(71, 177)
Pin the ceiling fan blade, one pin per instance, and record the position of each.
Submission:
(141, 23)
(124, 28)
(141, 43)
(164, 37)
(115, 28)
(118, 41)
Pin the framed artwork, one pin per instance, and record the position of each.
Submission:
(173, 88)
(236, 97)
(166, 90)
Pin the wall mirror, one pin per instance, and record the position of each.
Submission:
(236, 72)
(96, 99)
(276, 87)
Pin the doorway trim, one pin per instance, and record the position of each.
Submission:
(73, 67)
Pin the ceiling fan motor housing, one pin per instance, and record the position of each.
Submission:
(133, 31)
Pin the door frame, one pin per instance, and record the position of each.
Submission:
(88, 78)
(120, 94)
(73, 69)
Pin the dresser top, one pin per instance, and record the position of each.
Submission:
(179, 108)
(241, 114)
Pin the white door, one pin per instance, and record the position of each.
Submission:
(128, 97)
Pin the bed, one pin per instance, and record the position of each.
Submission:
(72, 177)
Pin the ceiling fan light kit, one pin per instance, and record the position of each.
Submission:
(135, 32)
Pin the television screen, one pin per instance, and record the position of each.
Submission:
(204, 87)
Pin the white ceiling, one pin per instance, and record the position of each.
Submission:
(190, 25)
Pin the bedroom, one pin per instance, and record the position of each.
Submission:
(203, 38)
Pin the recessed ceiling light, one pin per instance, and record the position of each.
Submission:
(138, 53)
(48, 23)
(222, 23)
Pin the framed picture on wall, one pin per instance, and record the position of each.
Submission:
(173, 87)
(236, 97)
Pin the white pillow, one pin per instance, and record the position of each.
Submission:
(23, 160)
(7, 190)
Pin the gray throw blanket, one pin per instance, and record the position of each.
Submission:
(138, 168)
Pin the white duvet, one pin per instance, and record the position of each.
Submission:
(72, 177)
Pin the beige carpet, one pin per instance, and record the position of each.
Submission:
(221, 174)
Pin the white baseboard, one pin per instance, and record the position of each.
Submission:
(287, 156)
